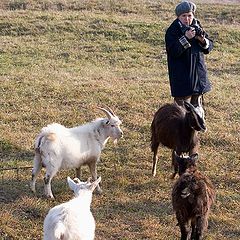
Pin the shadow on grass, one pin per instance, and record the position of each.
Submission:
(13, 189)
(9, 151)
(132, 218)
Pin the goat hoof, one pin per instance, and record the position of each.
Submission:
(50, 197)
(32, 188)
(154, 172)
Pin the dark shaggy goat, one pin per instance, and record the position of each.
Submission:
(192, 197)
(176, 128)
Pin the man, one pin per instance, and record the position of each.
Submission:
(186, 44)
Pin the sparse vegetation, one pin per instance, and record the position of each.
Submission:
(59, 59)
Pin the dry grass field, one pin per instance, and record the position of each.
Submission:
(60, 59)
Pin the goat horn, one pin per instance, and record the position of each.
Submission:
(109, 115)
(111, 111)
(175, 154)
(200, 100)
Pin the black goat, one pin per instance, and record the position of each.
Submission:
(192, 197)
(176, 128)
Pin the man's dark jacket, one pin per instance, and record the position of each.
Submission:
(186, 66)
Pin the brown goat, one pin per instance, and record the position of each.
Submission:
(192, 197)
(176, 128)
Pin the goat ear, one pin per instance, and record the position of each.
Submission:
(95, 183)
(188, 106)
(71, 183)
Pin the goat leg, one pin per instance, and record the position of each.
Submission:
(155, 160)
(93, 170)
(174, 164)
(36, 170)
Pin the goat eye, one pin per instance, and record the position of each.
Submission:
(112, 125)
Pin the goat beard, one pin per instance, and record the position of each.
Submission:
(115, 141)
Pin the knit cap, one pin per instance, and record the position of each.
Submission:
(185, 7)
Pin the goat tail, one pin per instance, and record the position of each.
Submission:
(38, 142)
(45, 135)
(59, 231)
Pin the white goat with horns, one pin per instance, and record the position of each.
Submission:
(58, 147)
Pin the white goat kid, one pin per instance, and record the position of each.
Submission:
(72, 220)
(58, 147)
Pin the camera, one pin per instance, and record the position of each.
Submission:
(199, 31)
(185, 28)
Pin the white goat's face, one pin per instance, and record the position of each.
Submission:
(113, 128)
(112, 124)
